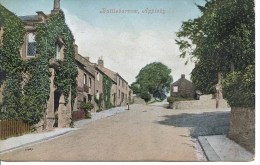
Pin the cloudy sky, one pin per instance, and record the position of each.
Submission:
(126, 41)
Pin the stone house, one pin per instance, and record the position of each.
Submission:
(85, 85)
(110, 74)
(182, 88)
(28, 51)
(120, 90)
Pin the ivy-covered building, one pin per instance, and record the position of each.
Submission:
(37, 57)
(121, 93)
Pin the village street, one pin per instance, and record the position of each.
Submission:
(144, 133)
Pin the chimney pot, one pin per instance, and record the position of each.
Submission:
(100, 62)
(56, 5)
(183, 76)
(76, 49)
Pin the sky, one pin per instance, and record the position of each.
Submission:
(126, 41)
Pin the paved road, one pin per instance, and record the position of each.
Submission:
(135, 135)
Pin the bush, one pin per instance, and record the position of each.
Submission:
(146, 96)
(239, 88)
(170, 100)
(86, 107)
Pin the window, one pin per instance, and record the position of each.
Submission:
(97, 95)
(98, 76)
(89, 82)
(85, 79)
(31, 45)
(122, 95)
(119, 81)
(89, 98)
(175, 89)
(118, 93)
(84, 99)
(58, 52)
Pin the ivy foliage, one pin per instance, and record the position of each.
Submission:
(241, 94)
(29, 101)
(107, 85)
(10, 61)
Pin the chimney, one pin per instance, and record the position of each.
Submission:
(42, 16)
(76, 49)
(100, 62)
(183, 76)
(56, 7)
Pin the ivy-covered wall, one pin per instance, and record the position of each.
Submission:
(29, 101)
(11, 62)
(107, 85)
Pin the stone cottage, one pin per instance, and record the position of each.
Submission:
(120, 89)
(85, 85)
(30, 51)
(182, 88)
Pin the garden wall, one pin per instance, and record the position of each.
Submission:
(242, 127)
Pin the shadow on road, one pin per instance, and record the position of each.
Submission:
(207, 123)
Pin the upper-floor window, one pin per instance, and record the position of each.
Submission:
(98, 76)
(31, 45)
(85, 79)
(119, 81)
(58, 52)
(89, 82)
(175, 89)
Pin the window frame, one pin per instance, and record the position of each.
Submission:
(27, 44)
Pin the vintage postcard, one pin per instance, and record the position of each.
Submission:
(127, 80)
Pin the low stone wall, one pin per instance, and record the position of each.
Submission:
(242, 127)
(200, 104)
(78, 115)
(138, 100)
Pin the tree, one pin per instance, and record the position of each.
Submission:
(220, 40)
(154, 79)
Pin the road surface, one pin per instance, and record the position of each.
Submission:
(145, 133)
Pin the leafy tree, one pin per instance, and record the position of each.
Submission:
(154, 79)
(220, 40)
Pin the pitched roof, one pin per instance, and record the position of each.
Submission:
(29, 18)
(111, 74)
(85, 62)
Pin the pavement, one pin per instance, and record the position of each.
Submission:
(14, 143)
(221, 148)
(28, 139)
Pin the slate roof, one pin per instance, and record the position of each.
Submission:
(108, 72)
(87, 66)
(29, 18)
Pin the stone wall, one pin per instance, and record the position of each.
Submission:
(200, 104)
(78, 115)
(122, 86)
(138, 100)
(242, 127)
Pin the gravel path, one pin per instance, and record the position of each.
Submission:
(202, 124)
